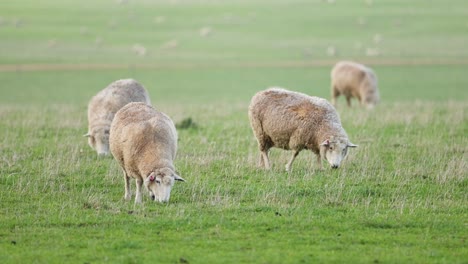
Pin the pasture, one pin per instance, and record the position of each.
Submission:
(400, 197)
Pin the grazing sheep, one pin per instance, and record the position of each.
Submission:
(170, 44)
(139, 49)
(354, 80)
(205, 31)
(331, 51)
(103, 106)
(295, 121)
(144, 142)
(372, 52)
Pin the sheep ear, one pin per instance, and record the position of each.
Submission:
(151, 177)
(87, 135)
(351, 145)
(178, 178)
(325, 143)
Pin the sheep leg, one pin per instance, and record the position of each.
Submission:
(263, 146)
(261, 164)
(128, 193)
(288, 166)
(348, 100)
(319, 162)
(334, 95)
(138, 195)
(266, 161)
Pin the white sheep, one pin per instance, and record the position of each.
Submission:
(354, 80)
(139, 49)
(295, 121)
(103, 106)
(144, 142)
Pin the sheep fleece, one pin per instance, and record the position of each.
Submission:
(142, 140)
(293, 121)
(103, 106)
(354, 80)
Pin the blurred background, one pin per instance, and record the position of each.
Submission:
(226, 45)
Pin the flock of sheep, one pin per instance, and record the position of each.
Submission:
(143, 140)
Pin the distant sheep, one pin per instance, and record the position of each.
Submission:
(295, 121)
(144, 142)
(103, 106)
(354, 80)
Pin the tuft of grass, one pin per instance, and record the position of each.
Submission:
(186, 123)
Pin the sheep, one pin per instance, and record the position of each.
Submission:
(295, 121)
(205, 31)
(144, 142)
(139, 49)
(103, 106)
(354, 80)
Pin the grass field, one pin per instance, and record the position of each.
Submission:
(400, 197)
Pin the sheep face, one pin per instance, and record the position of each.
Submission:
(371, 99)
(334, 150)
(99, 141)
(160, 182)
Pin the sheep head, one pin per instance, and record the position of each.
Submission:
(334, 150)
(159, 183)
(98, 139)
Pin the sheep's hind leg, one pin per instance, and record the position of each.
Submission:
(261, 163)
(265, 159)
(348, 100)
(128, 193)
(264, 146)
(288, 166)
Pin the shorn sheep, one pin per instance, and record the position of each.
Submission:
(144, 142)
(354, 80)
(103, 106)
(295, 121)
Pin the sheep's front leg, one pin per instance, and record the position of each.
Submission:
(288, 166)
(128, 192)
(319, 162)
(138, 195)
(334, 95)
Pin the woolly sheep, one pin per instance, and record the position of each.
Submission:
(144, 142)
(354, 80)
(295, 121)
(103, 106)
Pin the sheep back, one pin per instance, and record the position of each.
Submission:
(142, 139)
(103, 106)
(292, 120)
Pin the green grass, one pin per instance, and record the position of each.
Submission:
(400, 197)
